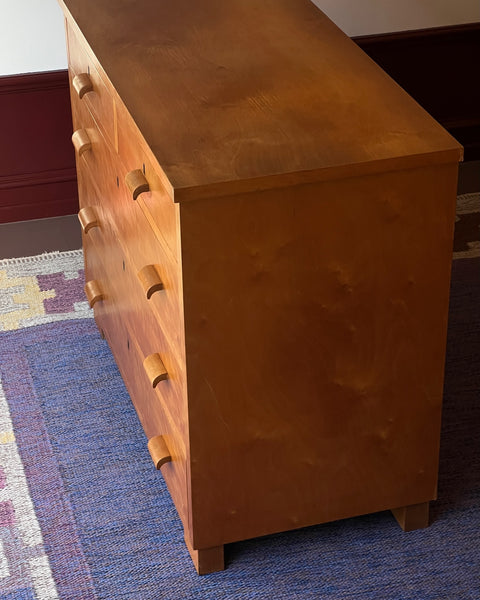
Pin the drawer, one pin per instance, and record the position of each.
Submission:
(125, 349)
(93, 218)
(136, 314)
(101, 183)
(98, 99)
(92, 152)
(154, 275)
(160, 210)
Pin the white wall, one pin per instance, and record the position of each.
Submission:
(32, 37)
(363, 17)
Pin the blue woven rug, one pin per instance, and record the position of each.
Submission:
(83, 515)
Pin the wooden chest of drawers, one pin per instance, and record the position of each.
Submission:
(268, 225)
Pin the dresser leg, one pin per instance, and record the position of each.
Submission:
(207, 560)
(412, 517)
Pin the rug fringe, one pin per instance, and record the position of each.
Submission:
(41, 257)
(468, 203)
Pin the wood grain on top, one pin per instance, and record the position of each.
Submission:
(230, 93)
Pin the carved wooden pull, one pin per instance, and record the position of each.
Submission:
(82, 84)
(81, 141)
(93, 291)
(136, 183)
(150, 280)
(88, 218)
(155, 369)
(158, 451)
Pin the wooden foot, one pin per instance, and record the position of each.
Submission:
(207, 560)
(412, 517)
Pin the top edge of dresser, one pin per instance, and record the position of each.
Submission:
(248, 94)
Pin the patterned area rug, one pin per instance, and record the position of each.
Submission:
(84, 516)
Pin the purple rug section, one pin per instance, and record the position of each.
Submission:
(67, 292)
(51, 499)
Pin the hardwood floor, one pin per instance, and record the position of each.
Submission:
(26, 238)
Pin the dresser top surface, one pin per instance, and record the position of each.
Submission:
(228, 92)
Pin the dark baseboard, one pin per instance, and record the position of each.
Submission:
(438, 67)
(37, 163)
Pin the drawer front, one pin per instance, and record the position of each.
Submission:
(101, 180)
(145, 253)
(160, 210)
(127, 352)
(136, 314)
(96, 158)
(99, 100)
(96, 220)
(142, 225)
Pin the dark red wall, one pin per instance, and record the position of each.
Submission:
(37, 163)
(438, 67)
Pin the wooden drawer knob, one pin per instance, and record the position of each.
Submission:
(158, 451)
(155, 369)
(88, 218)
(93, 291)
(136, 183)
(81, 141)
(150, 280)
(82, 84)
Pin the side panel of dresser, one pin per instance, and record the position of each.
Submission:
(116, 249)
(315, 336)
